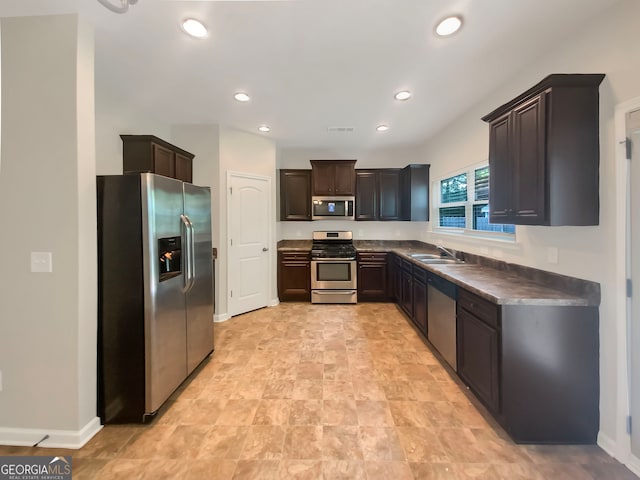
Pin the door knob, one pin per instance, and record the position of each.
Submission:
(265, 249)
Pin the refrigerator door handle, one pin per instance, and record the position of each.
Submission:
(186, 248)
(192, 255)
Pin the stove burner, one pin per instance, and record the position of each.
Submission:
(333, 245)
(333, 251)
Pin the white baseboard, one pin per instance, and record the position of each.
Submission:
(221, 317)
(607, 444)
(634, 464)
(274, 302)
(629, 460)
(27, 437)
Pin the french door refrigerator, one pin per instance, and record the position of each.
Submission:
(155, 291)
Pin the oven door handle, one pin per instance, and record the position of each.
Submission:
(344, 259)
(333, 292)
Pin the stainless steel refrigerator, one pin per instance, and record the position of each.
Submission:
(155, 291)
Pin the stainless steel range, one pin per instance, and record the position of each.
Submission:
(334, 276)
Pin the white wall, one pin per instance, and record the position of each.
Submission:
(114, 117)
(217, 150)
(608, 45)
(245, 153)
(381, 158)
(361, 230)
(47, 203)
(204, 142)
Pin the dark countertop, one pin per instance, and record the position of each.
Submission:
(294, 245)
(498, 282)
(361, 245)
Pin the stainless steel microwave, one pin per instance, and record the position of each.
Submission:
(333, 208)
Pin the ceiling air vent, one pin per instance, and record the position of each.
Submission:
(339, 129)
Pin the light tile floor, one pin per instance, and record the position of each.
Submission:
(302, 391)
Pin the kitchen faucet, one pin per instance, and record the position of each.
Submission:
(446, 253)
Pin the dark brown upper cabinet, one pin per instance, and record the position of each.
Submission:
(378, 194)
(333, 177)
(544, 154)
(148, 153)
(414, 202)
(295, 194)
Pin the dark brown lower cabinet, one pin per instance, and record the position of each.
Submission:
(535, 367)
(294, 276)
(549, 370)
(372, 277)
(396, 277)
(406, 289)
(478, 346)
(420, 299)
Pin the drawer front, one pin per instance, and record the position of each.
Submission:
(294, 256)
(419, 274)
(407, 265)
(486, 311)
(373, 257)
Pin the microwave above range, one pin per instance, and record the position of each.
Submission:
(333, 208)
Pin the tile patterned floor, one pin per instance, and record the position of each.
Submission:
(305, 391)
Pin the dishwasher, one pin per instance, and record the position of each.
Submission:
(441, 307)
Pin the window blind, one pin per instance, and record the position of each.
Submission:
(453, 217)
(481, 183)
(454, 189)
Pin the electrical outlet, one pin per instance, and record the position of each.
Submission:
(552, 255)
(41, 262)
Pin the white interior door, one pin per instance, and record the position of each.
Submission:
(248, 218)
(633, 266)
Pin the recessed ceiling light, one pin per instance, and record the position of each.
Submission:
(264, 128)
(449, 26)
(195, 28)
(241, 97)
(403, 95)
(382, 128)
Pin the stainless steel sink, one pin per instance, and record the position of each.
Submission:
(447, 261)
(435, 259)
(425, 256)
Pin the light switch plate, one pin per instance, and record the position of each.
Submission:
(41, 262)
(552, 255)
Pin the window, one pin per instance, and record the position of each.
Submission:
(464, 204)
